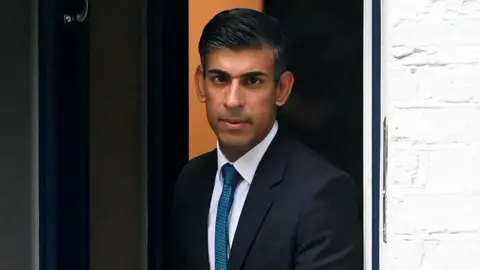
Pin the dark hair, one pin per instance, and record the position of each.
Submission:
(243, 28)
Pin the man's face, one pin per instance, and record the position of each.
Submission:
(241, 95)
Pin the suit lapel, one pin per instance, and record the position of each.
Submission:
(259, 201)
(199, 229)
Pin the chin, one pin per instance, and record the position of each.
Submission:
(230, 140)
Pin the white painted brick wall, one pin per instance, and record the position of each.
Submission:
(431, 91)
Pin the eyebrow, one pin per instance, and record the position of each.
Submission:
(248, 74)
(254, 74)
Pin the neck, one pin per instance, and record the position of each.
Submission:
(233, 153)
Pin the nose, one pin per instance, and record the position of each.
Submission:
(234, 96)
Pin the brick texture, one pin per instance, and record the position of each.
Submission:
(431, 86)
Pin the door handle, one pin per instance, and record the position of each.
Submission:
(77, 18)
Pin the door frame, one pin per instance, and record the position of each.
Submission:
(373, 147)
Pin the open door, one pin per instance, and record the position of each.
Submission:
(63, 135)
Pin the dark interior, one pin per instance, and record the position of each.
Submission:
(325, 109)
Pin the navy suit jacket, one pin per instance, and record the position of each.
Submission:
(300, 213)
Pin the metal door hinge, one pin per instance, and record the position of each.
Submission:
(384, 176)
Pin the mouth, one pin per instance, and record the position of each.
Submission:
(235, 121)
(234, 124)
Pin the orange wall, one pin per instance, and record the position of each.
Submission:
(201, 138)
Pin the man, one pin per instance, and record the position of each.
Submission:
(260, 200)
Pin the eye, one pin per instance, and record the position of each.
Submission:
(253, 80)
(218, 79)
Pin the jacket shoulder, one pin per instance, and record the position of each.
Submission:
(198, 165)
(199, 162)
(314, 167)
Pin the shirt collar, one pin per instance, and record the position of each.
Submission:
(247, 164)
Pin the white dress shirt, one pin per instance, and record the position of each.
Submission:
(246, 166)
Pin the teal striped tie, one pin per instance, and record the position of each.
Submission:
(222, 245)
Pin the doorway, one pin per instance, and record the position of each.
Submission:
(326, 107)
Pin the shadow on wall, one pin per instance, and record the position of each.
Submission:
(325, 109)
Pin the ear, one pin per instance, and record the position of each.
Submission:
(284, 88)
(200, 85)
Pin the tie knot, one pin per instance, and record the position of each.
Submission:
(229, 175)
